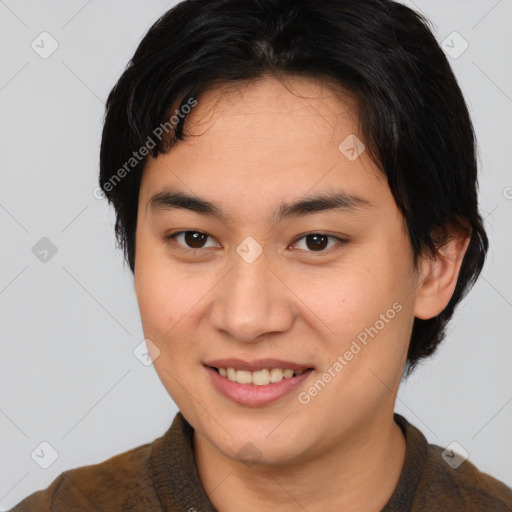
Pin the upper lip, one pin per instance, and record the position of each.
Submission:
(258, 364)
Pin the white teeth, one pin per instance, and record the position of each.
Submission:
(243, 377)
(259, 377)
(231, 374)
(276, 375)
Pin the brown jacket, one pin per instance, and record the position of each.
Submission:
(162, 477)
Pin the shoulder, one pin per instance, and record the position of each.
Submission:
(121, 483)
(463, 487)
(437, 479)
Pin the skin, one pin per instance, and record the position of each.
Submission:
(266, 142)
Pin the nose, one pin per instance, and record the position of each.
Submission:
(252, 301)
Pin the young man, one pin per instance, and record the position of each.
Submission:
(295, 186)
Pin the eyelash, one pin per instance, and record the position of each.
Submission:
(340, 241)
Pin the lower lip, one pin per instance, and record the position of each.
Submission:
(255, 396)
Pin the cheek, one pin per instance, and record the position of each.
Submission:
(166, 293)
(165, 304)
(367, 306)
(351, 296)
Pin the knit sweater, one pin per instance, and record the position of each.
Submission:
(162, 476)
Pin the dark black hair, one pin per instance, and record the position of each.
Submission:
(412, 113)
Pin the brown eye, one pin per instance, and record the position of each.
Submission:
(194, 239)
(190, 239)
(318, 242)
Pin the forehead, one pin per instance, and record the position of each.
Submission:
(270, 98)
(267, 140)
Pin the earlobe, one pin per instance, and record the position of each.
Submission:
(438, 277)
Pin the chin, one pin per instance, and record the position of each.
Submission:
(262, 453)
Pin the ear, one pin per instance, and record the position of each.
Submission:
(439, 274)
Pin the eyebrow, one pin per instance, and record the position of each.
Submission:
(333, 201)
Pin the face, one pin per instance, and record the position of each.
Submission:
(250, 282)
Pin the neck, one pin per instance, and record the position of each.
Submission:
(359, 473)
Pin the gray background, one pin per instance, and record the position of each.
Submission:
(68, 375)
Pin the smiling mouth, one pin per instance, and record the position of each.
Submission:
(261, 377)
